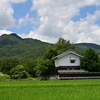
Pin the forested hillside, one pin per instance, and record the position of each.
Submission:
(89, 45)
(26, 49)
(14, 46)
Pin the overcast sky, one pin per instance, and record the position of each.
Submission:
(48, 20)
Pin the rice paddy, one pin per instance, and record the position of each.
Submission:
(51, 90)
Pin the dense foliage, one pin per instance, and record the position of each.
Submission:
(30, 67)
(90, 61)
(18, 72)
(50, 52)
(7, 64)
(44, 67)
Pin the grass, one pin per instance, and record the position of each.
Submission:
(4, 77)
(51, 90)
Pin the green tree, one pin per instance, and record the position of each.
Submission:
(50, 52)
(30, 67)
(63, 45)
(7, 64)
(18, 72)
(42, 68)
(90, 61)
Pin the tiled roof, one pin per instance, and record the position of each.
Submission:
(65, 53)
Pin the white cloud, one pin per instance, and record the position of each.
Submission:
(84, 30)
(5, 32)
(36, 36)
(24, 21)
(55, 21)
(6, 13)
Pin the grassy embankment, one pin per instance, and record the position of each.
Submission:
(4, 77)
(51, 90)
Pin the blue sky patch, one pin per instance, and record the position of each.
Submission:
(21, 9)
(83, 12)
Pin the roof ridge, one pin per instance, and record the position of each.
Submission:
(66, 51)
(58, 56)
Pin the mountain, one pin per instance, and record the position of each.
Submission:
(25, 49)
(89, 45)
(14, 46)
(9, 40)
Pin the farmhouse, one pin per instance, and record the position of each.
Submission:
(67, 66)
(68, 60)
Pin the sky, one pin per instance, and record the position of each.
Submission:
(48, 20)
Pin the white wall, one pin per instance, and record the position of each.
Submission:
(65, 60)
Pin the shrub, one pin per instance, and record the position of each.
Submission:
(43, 67)
(18, 72)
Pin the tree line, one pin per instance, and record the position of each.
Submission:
(42, 66)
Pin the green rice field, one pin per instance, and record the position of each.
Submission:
(88, 89)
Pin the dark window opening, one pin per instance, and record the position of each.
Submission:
(72, 61)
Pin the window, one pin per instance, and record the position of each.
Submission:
(72, 61)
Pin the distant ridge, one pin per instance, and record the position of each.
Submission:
(15, 35)
(85, 46)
